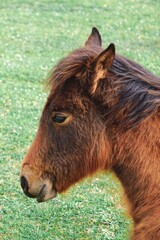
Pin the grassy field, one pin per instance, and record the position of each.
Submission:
(34, 35)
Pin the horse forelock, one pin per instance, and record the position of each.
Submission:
(75, 65)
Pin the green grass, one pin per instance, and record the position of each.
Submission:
(34, 35)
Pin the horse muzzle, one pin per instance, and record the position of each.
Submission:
(36, 187)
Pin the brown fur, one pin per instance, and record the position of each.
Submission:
(115, 105)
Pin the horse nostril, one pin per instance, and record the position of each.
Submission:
(24, 183)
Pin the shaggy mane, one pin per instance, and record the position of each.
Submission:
(137, 91)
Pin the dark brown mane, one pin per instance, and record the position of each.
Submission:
(137, 90)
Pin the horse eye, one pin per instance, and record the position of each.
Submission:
(59, 118)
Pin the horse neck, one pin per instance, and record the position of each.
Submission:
(137, 165)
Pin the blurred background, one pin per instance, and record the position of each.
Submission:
(34, 36)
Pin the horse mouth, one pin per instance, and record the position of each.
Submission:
(41, 195)
(45, 195)
(41, 190)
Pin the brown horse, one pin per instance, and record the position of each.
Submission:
(103, 112)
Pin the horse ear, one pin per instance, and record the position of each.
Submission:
(102, 65)
(94, 38)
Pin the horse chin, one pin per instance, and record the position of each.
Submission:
(47, 191)
(46, 194)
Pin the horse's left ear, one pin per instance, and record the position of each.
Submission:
(94, 38)
(102, 65)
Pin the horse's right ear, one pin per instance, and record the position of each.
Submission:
(94, 38)
(102, 64)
